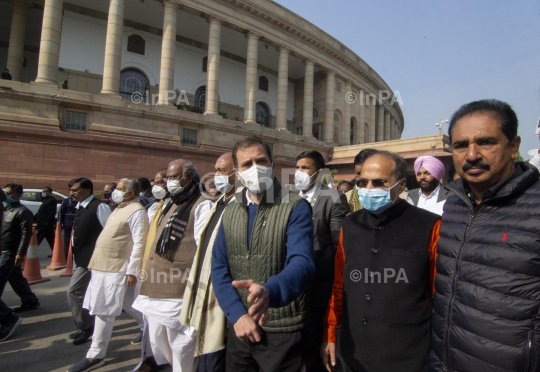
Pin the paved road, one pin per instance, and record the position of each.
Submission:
(41, 343)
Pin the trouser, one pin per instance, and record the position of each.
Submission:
(276, 352)
(66, 237)
(213, 362)
(75, 293)
(312, 336)
(172, 346)
(103, 326)
(146, 346)
(48, 233)
(12, 274)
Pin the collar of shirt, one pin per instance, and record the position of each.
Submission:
(309, 195)
(85, 202)
(434, 193)
(249, 202)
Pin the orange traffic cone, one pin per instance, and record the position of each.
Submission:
(69, 268)
(58, 261)
(32, 270)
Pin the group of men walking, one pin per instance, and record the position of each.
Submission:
(272, 278)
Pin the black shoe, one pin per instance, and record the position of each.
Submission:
(137, 340)
(8, 329)
(28, 306)
(75, 334)
(83, 336)
(86, 365)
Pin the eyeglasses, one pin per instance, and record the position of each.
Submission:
(363, 183)
(72, 191)
(10, 193)
(173, 178)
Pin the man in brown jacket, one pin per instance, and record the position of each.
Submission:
(114, 264)
(167, 269)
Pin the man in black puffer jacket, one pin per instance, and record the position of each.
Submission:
(487, 289)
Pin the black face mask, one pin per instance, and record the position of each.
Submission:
(107, 195)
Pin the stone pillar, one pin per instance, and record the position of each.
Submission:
(283, 89)
(387, 126)
(372, 123)
(307, 124)
(214, 53)
(49, 47)
(361, 120)
(168, 51)
(214, 56)
(16, 40)
(380, 124)
(330, 107)
(346, 130)
(113, 48)
(250, 101)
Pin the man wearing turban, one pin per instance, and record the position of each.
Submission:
(430, 196)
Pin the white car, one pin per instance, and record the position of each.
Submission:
(31, 199)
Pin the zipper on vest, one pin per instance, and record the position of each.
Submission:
(530, 351)
(451, 302)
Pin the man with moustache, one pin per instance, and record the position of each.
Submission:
(201, 310)
(486, 301)
(431, 194)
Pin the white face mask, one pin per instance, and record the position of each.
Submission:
(117, 196)
(43, 195)
(174, 186)
(222, 183)
(158, 192)
(257, 178)
(301, 180)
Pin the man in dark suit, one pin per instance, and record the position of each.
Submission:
(329, 208)
(45, 218)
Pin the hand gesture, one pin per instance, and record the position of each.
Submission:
(258, 295)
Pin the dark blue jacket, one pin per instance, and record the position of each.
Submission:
(487, 290)
(67, 213)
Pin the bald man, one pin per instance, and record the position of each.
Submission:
(199, 294)
(165, 274)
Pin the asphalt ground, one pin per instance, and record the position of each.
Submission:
(41, 343)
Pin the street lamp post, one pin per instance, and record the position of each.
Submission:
(441, 125)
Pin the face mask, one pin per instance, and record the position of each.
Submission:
(10, 200)
(118, 196)
(222, 183)
(376, 200)
(158, 192)
(43, 195)
(301, 180)
(257, 178)
(174, 186)
(107, 195)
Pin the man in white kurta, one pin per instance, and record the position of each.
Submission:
(160, 298)
(115, 263)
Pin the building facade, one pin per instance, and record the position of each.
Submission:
(115, 88)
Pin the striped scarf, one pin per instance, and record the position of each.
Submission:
(354, 201)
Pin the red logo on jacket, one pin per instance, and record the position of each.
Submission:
(505, 237)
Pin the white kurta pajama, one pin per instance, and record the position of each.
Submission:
(108, 293)
(172, 342)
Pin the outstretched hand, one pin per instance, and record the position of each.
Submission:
(258, 295)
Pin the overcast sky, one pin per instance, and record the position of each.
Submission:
(442, 54)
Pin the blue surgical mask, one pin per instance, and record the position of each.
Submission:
(376, 200)
(10, 200)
